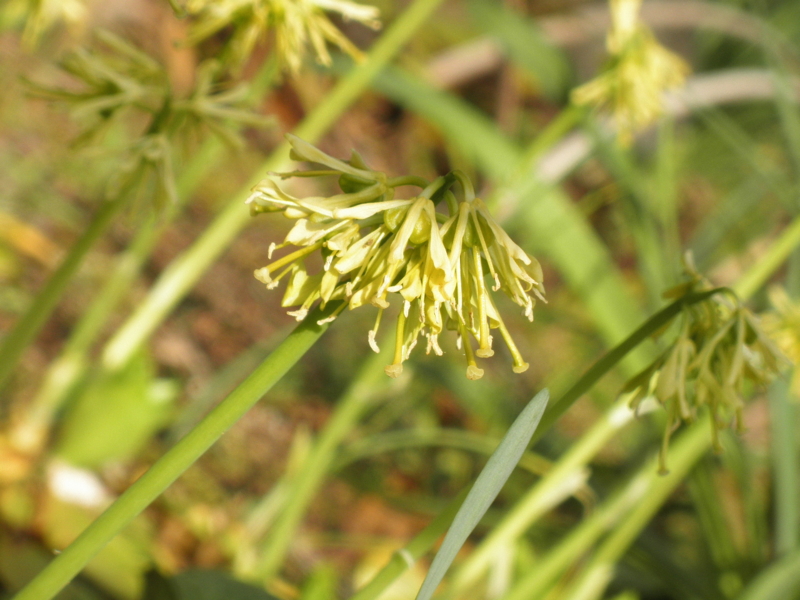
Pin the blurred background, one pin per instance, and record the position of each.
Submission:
(483, 87)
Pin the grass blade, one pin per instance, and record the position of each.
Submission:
(487, 486)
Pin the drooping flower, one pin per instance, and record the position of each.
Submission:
(638, 71)
(442, 267)
(293, 24)
(720, 347)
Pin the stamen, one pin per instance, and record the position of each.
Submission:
(473, 371)
(485, 349)
(485, 252)
(394, 369)
(520, 366)
(374, 331)
(299, 314)
(333, 315)
(434, 338)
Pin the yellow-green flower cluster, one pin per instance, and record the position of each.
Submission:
(294, 25)
(783, 326)
(118, 80)
(375, 247)
(41, 16)
(720, 348)
(638, 71)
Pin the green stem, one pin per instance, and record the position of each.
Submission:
(684, 452)
(175, 461)
(457, 439)
(695, 442)
(25, 330)
(302, 489)
(560, 482)
(553, 133)
(184, 271)
(70, 366)
(778, 252)
(783, 417)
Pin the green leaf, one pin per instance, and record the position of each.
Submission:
(488, 485)
(116, 415)
(198, 584)
(781, 580)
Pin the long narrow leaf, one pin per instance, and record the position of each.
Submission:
(489, 483)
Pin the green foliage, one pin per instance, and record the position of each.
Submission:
(486, 488)
(200, 585)
(338, 481)
(115, 415)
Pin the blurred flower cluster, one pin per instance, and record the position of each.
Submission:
(293, 25)
(442, 266)
(783, 325)
(118, 82)
(40, 16)
(720, 348)
(638, 71)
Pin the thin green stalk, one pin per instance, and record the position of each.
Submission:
(683, 453)
(71, 364)
(553, 133)
(778, 252)
(434, 437)
(560, 482)
(598, 573)
(666, 198)
(302, 489)
(783, 418)
(175, 461)
(29, 325)
(181, 275)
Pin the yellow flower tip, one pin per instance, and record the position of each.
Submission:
(484, 352)
(299, 314)
(372, 343)
(520, 368)
(394, 370)
(380, 302)
(474, 372)
(262, 275)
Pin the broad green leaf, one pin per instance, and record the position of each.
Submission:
(116, 414)
(486, 488)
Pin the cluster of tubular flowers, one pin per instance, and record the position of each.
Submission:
(294, 25)
(375, 247)
(638, 71)
(720, 348)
